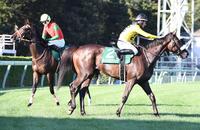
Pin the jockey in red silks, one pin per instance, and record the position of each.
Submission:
(56, 39)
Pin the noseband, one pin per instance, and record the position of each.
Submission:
(178, 51)
(21, 31)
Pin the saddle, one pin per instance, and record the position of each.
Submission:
(113, 55)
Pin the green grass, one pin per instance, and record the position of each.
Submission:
(178, 104)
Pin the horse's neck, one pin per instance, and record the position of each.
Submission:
(35, 51)
(153, 54)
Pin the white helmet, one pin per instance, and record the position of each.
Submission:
(45, 17)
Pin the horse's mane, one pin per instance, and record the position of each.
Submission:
(154, 43)
(38, 37)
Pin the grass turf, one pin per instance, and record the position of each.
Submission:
(178, 104)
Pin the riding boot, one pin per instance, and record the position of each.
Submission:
(124, 52)
(54, 47)
(118, 53)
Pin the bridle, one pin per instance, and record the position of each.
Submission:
(23, 30)
(178, 51)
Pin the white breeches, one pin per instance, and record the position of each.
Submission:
(127, 45)
(58, 43)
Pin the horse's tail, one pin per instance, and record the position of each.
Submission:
(66, 64)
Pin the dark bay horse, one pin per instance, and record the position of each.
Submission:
(42, 60)
(87, 59)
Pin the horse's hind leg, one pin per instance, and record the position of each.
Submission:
(50, 78)
(36, 77)
(83, 90)
(89, 96)
(70, 101)
(148, 91)
(82, 93)
(74, 89)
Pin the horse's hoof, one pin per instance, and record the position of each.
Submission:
(57, 103)
(83, 113)
(118, 113)
(69, 103)
(70, 111)
(156, 114)
(29, 104)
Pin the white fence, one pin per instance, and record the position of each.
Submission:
(171, 69)
(7, 45)
(165, 72)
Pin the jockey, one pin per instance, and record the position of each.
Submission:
(56, 40)
(127, 36)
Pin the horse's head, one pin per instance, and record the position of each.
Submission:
(175, 45)
(23, 33)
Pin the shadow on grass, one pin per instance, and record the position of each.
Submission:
(40, 123)
(2, 93)
(166, 114)
(143, 105)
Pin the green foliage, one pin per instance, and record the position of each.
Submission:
(143, 6)
(197, 12)
(82, 21)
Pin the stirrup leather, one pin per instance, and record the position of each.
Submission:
(122, 68)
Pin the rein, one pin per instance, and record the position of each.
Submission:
(179, 49)
(150, 52)
(26, 40)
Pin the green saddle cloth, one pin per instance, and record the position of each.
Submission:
(109, 56)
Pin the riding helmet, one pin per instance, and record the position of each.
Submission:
(45, 17)
(141, 17)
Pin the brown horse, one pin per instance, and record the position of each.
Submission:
(87, 59)
(42, 59)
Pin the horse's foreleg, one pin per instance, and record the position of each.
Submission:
(148, 91)
(128, 88)
(36, 77)
(50, 78)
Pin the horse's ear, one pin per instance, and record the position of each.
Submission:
(174, 32)
(27, 21)
(16, 28)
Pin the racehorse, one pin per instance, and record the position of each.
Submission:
(87, 59)
(42, 60)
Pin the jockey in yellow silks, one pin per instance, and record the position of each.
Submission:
(128, 35)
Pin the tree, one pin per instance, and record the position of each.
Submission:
(196, 15)
(82, 21)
